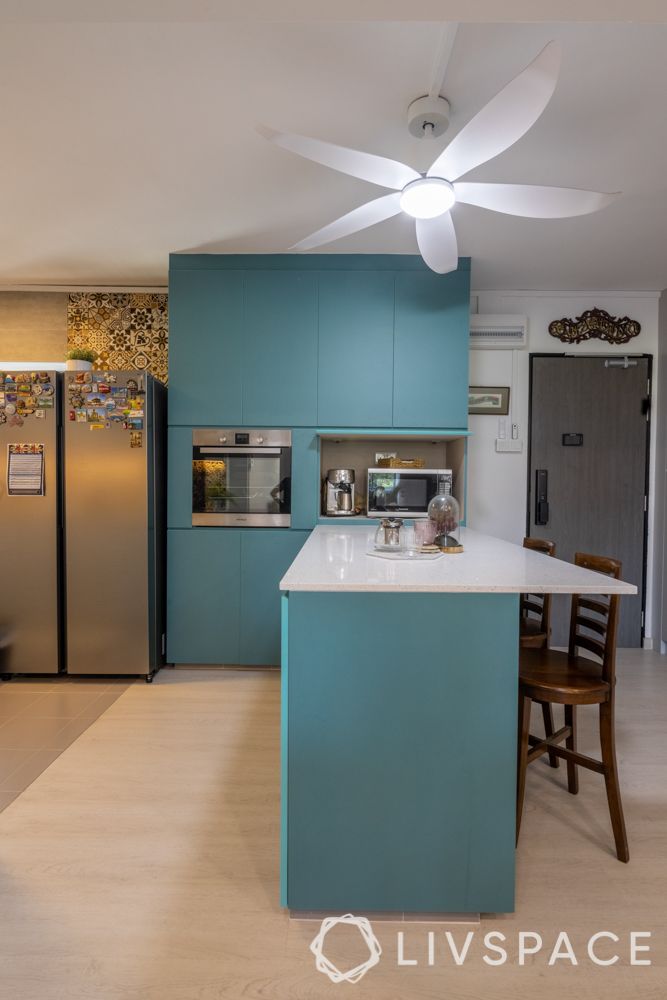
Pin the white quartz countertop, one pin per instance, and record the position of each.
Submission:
(335, 559)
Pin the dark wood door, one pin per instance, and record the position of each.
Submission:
(589, 434)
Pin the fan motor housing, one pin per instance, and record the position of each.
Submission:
(428, 117)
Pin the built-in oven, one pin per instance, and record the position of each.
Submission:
(241, 477)
(405, 492)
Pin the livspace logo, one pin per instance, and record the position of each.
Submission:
(433, 949)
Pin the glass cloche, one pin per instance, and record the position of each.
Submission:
(444, 511)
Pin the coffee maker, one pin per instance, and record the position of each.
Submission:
(338, 493)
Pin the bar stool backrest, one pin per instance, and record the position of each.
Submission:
(537, 607)
(594, 617)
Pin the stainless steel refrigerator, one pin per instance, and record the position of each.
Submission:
(30, 522)
(114, 426)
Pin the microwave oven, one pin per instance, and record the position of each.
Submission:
(405, 492)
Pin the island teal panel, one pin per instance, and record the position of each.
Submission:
(179, 477)
(203, 596)
(305, 477)
(280, 349)
(401, 751)
(265, 558)
(431, 345)
(356, 348)
(205, 340)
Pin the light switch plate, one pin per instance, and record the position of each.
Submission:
(504, 445)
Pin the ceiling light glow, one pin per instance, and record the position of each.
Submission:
(427, 197)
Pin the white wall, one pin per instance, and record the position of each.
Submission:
(497, 482)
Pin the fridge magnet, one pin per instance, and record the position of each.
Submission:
(93, 386)
(111, 379)
(132, 384)
(10, 408)
(45, 402)
(43, 377)
(103, 387)
(87, 377)
(2, 398)
(136, 439)
(96, 427)
(3, 417)
(94, 399)
(135, 424)
(81, 417)
(80, 377)
(23, 388)
(37, 389)
(41, 415)
(109, 404)
(10, 397)
(48, 389)
(72, 414)
(94, 416)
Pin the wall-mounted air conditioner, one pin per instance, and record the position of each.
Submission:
(499, 332)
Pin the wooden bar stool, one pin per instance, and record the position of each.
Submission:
(535, 627)
(569, 679)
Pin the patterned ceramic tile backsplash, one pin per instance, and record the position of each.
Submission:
(126, 331)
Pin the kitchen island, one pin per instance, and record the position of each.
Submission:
(399, 728)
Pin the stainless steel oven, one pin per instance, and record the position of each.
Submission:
(241, 477)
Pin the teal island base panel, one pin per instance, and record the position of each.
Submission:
(399, 751)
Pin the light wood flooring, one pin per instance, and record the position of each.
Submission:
(143, 863)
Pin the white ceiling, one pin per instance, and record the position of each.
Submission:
(125, 141)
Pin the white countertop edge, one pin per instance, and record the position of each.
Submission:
(334, 559)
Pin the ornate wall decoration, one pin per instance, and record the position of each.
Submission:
(126, 330)
(595, 323)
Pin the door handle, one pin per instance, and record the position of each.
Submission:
(541, 496)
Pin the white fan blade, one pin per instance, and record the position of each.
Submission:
(376, 169)
(534, 201)
(437, 243)
(504, 119)
(359, 218)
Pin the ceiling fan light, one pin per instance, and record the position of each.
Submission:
(427, 197)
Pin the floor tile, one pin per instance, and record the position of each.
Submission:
(32, 733)
(12, 702)
(10, 759)
(6, 798)
(28, 771)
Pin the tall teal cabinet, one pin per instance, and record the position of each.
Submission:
(302, 342)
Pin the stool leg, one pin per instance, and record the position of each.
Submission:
(522, 756)
(548, 716)
(608, 744)
(571, 744)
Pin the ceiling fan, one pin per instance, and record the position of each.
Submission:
(429, 197)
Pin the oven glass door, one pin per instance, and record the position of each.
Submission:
(241, 485)
(394, 492)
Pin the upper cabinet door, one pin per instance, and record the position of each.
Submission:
(431, 344)
(356, 351)
(205, 338)
(280, 349)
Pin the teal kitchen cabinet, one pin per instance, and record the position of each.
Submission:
(179, 477)
(205, 343)
(305, 477)
(266, 555)
(431, 343)
(280, 349)
(204, 595)
(356, 348)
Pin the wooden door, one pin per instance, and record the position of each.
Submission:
(589, 437)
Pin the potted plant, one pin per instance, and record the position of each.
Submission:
(80, 359)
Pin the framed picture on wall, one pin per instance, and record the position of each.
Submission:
(489, 399)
